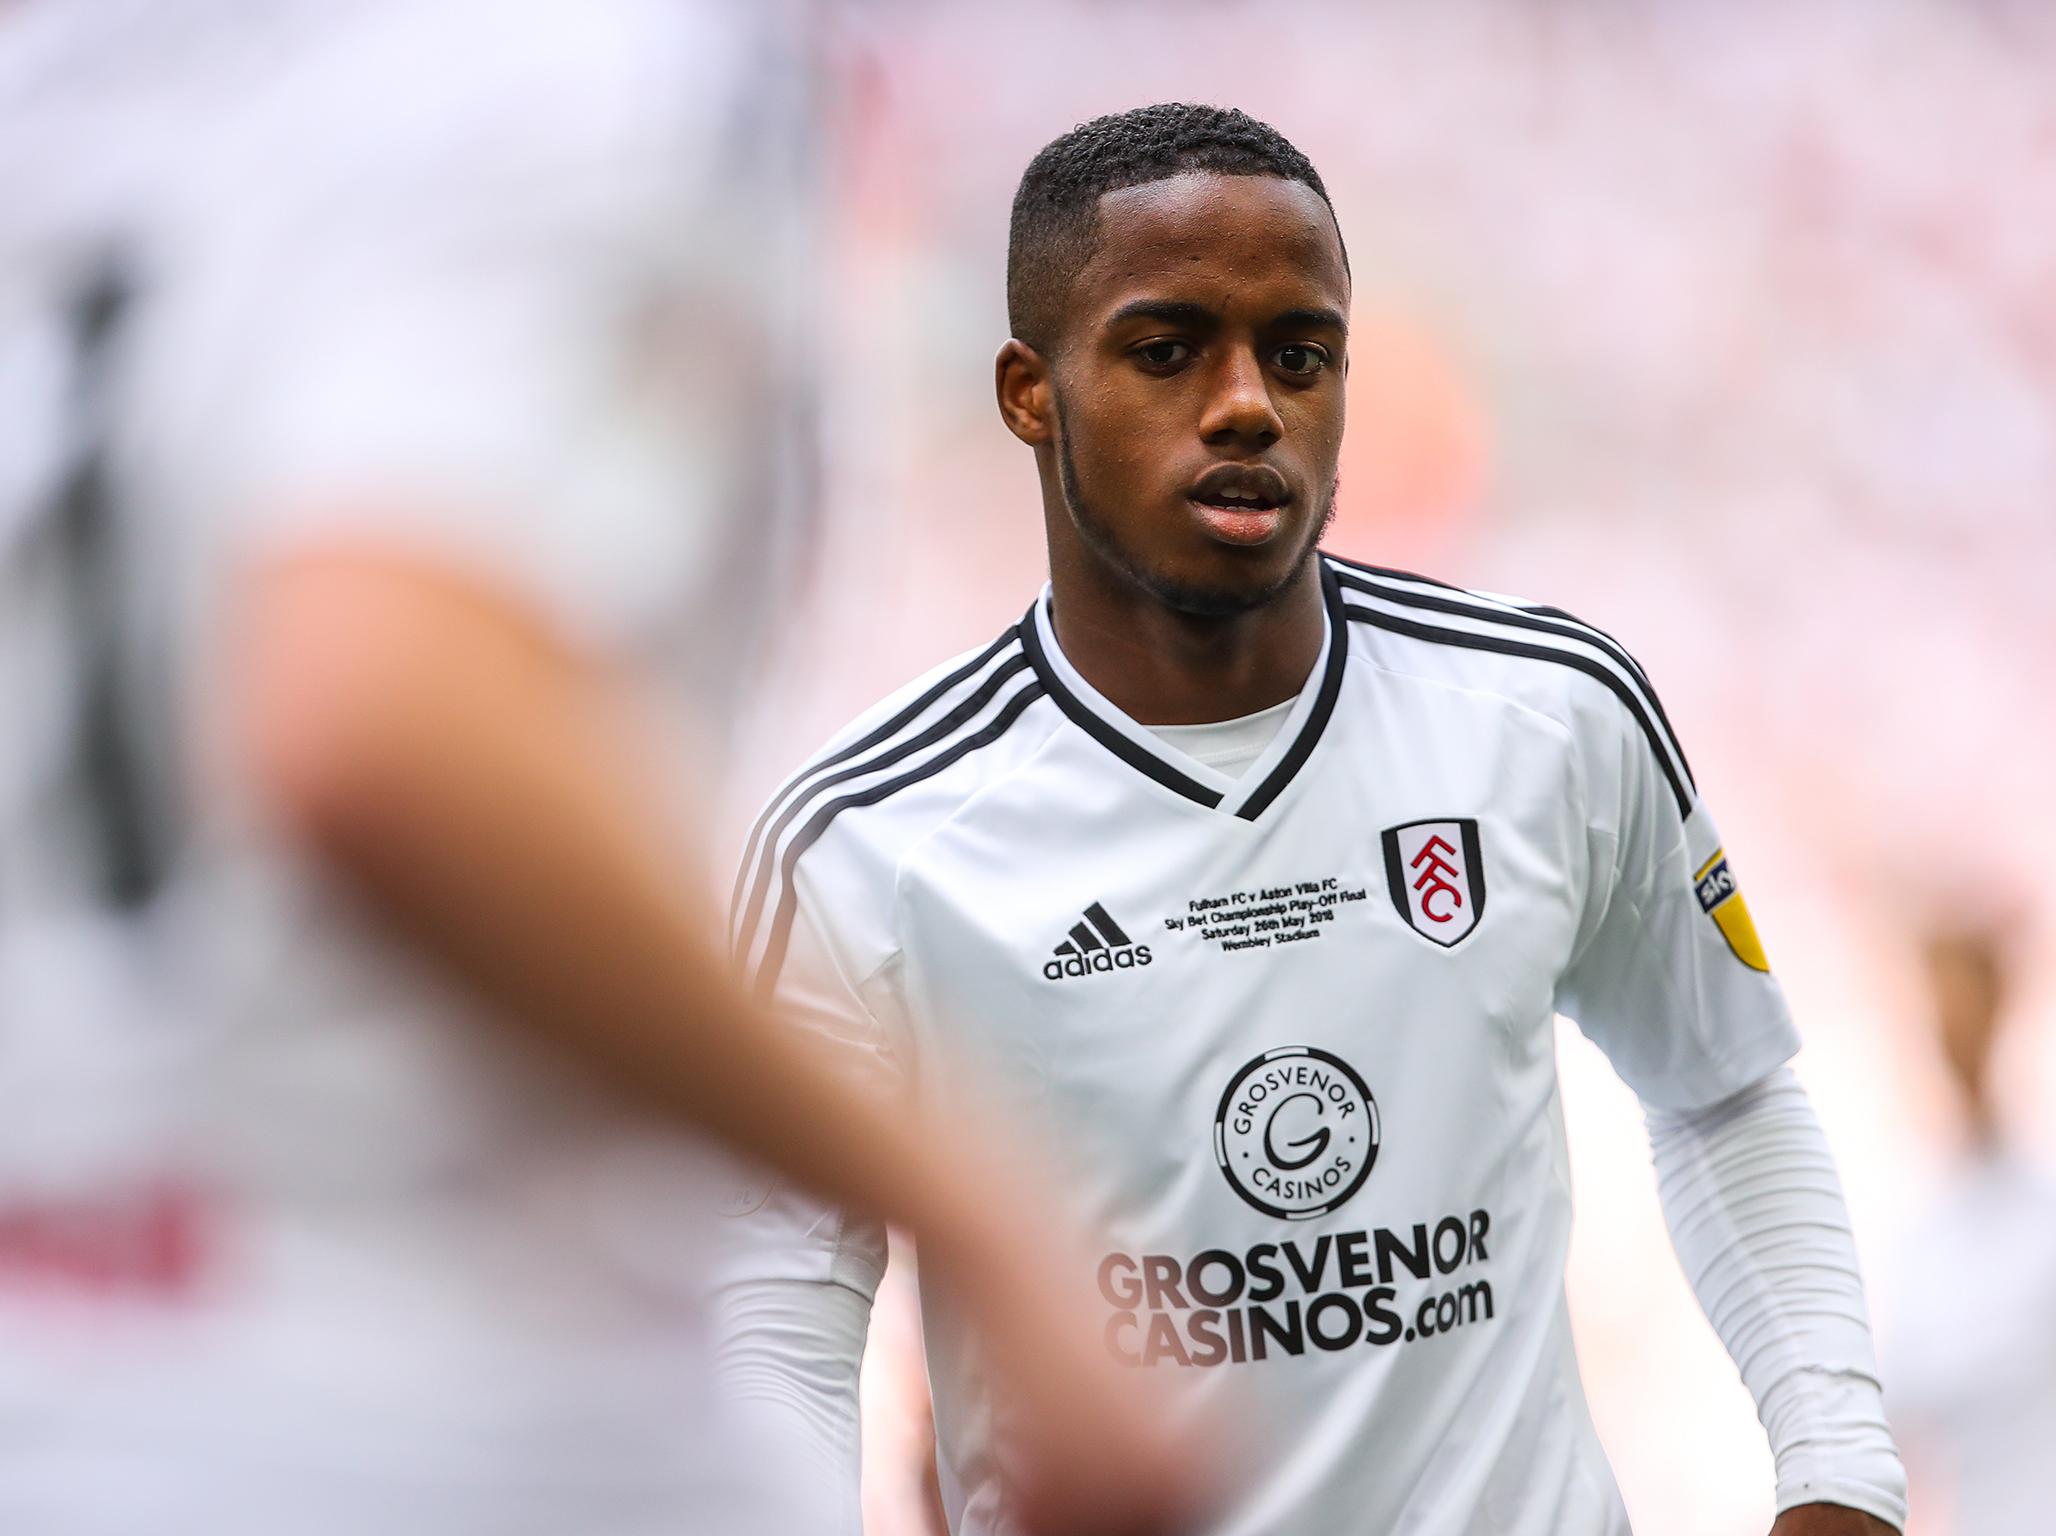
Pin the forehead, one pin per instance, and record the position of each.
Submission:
(1217, 240)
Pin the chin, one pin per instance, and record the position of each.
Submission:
(1222, 595)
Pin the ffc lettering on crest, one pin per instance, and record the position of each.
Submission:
(1435, 871)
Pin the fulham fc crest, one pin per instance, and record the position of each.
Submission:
(1437, 877)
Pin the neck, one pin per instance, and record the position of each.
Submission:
(1160, 666)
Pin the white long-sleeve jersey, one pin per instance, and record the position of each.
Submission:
(1289, 1031)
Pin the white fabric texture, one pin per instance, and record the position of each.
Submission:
(1228, 746)
(1758, 1221)
(790, 1354)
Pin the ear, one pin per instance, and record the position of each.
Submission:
(1020, 378)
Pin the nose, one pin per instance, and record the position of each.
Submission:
(1239, 412)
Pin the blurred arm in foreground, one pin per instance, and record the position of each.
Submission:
(446, 754)
(437, 745)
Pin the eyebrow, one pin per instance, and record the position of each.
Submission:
(1170, 311)
(1197, 316)
(1310, 319)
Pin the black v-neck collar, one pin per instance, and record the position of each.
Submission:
(1247, 797)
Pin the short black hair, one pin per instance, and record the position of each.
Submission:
(1056, 207)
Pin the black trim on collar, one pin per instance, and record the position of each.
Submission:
(1324, 702)
(1082, 717)
(1139, 757)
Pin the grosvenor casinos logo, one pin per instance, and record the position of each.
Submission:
(1296, 1132)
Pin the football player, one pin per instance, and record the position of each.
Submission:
(1259, 875)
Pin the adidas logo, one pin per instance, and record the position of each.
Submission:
(1096, 944)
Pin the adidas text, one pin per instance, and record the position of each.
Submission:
(1098, 960)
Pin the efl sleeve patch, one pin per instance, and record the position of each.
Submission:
(1721, 899)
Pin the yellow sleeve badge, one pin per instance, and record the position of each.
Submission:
(1721, 898)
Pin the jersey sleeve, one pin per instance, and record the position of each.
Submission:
(1757, 1218)
(1667, 975)
(821, 953)
(796, 1276)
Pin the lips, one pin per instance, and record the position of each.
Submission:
(1241, 488)
(1241, 503)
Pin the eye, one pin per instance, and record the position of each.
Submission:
(1302, 359)
(1162, 356)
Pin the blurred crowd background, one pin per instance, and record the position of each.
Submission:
(1732, 329)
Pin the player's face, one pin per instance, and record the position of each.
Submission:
(1198, 391)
